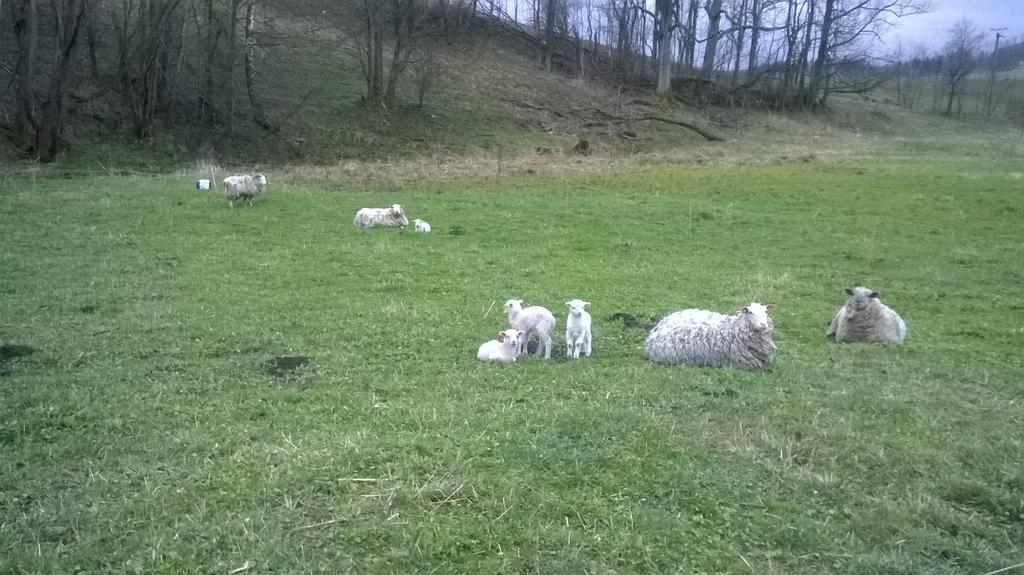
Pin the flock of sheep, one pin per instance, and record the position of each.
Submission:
(694, 337)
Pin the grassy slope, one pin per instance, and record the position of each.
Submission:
(146, 436)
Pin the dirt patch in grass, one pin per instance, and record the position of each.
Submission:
(630, 321)
(12, 350)
(290, 369)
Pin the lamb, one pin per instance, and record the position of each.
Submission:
(710, 339)
(244, 187)
(532, 319)
(502, 349)
(577, 329)
(421, 226)
(865, 318)
(392, 217)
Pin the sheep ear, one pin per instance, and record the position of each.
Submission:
(873, 295)
(770, 307)
(745, 309)
(586, 303)
(568, 304)
(848, 291)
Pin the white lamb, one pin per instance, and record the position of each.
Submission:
(710, 339)
(391, 217)
(532, 319)
(577, 329)
(502, 349)
(865, 318)
(244, 187)
(421, 226)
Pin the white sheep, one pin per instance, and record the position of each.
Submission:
(577, 329)
(244, 187)
(392, 217)
(865, 318)
(532, 319)
(421, 226)
(502, 349)
(710, 339)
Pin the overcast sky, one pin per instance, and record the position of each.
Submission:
(932, 29)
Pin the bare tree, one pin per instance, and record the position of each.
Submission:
(26, 31)
(250, 68)
(68, 18)
(960, 56)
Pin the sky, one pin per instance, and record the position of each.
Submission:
(932, 29)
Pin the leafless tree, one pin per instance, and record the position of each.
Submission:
(960, 56)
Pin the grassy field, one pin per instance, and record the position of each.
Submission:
(151, 431)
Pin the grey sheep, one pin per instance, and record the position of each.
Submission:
(865, 318)
(709, 339)
(244, 187)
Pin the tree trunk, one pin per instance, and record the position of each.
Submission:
(549, 33)
(806, 49)
(68, 17)
(690, 33)
(740, 36)
(820, 63)
(250, 67)
(26, 31)
(663, 33)
(755, 36)
(714, 11)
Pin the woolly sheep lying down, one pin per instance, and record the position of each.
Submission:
(244, 187)
(710, 339)
(502, 349)
(392, 217)
(532, 319)
(865, 318)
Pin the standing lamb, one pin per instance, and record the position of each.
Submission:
(502, 349)
(577, 329)
(244, 187)
(865, 318)
(710, 339)
(392, 217)
(532, 319)
(421, 226)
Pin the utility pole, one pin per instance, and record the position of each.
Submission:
(992, 71)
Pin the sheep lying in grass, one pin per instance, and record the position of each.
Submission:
(392, 217)
(244, 187)
(709, 339)
(865, 318)
(502, 349)
(532, 319)
(577, 329)
(421, 226)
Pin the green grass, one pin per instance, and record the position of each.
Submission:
(145, 434)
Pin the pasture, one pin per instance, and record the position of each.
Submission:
(155, 427)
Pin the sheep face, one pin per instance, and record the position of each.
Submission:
(395, 213)
(576, 307)
(513, 306)
(509, 336)
(861, 298)
(756, 316)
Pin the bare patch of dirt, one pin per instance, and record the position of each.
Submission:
(290, 369)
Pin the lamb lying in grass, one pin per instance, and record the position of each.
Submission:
(502, 349)
(532, 319)
(421, 226)
(865, 318)
(391, 217)
(244, 187)
(577, 329)
(710, 339)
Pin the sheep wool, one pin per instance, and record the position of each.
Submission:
(529, 320)
(244, 187)
(421, 226)
(502, 349)
(864, 318)
(709, 339)
(578, 338)
(390, 217)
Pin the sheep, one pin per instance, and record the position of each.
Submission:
(577, 329)
(502, 349)
(244, 187)
(710, 339)
(392, 217)
(865, 318)
(532, 319)
(421, 226)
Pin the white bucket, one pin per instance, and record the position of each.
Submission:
(202, 184)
